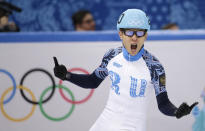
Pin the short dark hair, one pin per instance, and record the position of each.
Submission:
(7, 8)
(77, 17)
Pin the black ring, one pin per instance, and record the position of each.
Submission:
(41, 70)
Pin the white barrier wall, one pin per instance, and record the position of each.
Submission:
(183, 61)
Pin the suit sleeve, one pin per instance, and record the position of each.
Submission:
(93, 80)
(159, 81)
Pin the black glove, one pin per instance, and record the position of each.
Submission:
(60, 71)
(184, 109)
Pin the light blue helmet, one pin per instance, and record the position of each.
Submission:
(133, 18)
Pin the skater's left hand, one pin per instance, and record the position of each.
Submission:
(184, 109)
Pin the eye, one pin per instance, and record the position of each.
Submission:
(140, 33)
(129, 32)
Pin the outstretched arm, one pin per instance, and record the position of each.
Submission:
(164, 104)
(82, 80)
(158, 79)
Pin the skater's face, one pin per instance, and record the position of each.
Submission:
(133, 39)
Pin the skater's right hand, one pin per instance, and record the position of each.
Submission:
(60, 71)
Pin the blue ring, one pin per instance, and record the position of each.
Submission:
(14, 85)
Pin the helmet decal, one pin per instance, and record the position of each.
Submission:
(120, 18)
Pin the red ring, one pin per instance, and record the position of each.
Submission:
(69, 100)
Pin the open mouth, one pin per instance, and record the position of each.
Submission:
(133, 47)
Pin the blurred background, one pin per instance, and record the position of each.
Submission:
(55, 15)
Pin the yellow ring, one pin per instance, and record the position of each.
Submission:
(17, 119)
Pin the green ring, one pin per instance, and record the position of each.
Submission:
(60, 118)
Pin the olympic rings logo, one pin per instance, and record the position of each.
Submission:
(33, 100)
